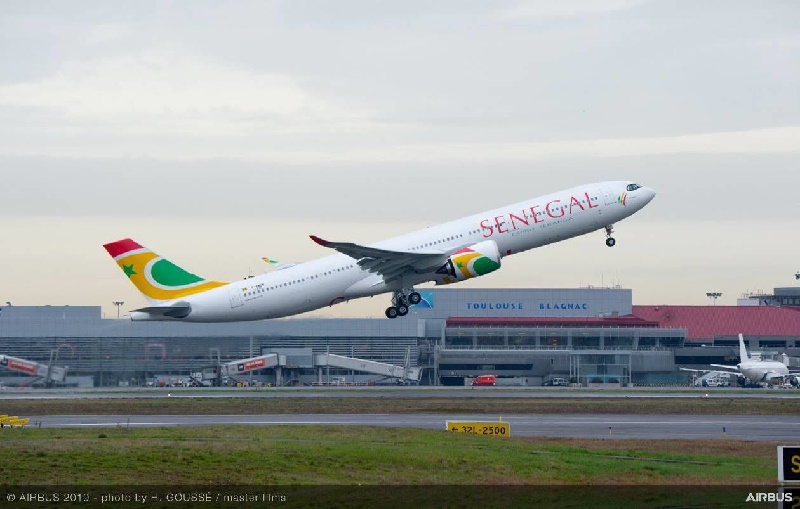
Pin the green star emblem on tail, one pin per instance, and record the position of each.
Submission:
(128, 270)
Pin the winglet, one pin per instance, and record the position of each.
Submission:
(321, 242)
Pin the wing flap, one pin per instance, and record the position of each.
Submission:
(389, 264)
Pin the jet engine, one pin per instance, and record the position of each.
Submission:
(473, 261)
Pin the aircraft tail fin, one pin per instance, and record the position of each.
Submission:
(742, 350)
(158, 279)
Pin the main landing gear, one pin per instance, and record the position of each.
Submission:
(609, 239)
(400, 302)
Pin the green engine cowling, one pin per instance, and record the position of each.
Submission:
(473, 261)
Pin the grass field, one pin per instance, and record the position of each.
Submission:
(327, 466)
(322, 455)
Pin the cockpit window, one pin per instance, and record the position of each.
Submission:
(633, 187)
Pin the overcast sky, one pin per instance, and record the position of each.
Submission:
(216, 133)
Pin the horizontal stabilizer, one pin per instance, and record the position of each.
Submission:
(278, 265)
(177, 311)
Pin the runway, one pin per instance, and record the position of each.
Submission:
(784, 429)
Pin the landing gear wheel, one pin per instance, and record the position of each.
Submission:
(609, 239)
(414, 298)
(391, 312)
(402, 310)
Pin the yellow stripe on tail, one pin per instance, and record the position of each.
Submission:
(157, 278)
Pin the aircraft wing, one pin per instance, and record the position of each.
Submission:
(387, 263)
(733, 368)
(711, 371)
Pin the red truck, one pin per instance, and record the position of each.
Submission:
(484, 380)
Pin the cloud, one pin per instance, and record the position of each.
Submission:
(546, 9)
(781, 139)
(169, 92)
(368, 149)
(104, 33)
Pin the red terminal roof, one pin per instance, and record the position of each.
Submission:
(707, 322)
(610, 321)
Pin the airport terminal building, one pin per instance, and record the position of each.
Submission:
(524, 336)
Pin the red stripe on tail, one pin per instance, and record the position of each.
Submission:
(121, 246)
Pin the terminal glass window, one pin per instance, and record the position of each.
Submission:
(585, 342)
(619, 342)
(647, 342)
(490, 339)
(555, 339)
(772, 343)
(671, 342)
(460, 339)
(521, 339)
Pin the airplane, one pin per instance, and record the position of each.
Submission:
(755, 371)
(447, 253)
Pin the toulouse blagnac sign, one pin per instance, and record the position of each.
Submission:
(542, 306)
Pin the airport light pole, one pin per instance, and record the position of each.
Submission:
(714, 296)
(119, 304)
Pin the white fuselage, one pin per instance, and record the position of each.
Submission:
(337, 278)
(762, 371)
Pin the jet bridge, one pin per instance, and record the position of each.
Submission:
(252, 364)
(791, 362)
(365, 366)
(293, 358)
(48, 372)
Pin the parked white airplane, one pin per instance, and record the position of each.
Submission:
(444, 254)
(754, 370)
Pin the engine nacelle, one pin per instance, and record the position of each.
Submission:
(473, 261)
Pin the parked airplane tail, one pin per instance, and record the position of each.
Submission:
(157, 278)
(742, 350)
